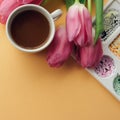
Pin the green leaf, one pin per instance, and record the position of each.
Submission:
(99, 19)
(82, 1)
(45, 2)
(71, 2)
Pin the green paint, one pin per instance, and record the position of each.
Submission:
(116, 84)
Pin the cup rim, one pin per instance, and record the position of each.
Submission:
(36, 8)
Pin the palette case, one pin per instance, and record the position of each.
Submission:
(107, 72)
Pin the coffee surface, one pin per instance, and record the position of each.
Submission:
(30, 29)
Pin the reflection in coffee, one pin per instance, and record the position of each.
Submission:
(30, 29)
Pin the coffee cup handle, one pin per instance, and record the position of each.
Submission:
(56, 14)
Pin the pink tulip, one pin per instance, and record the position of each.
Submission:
(79, 25)
(91, 55)
(36, 2)
(7, 6)
(60, 49)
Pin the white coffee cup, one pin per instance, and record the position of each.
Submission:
(49, 16)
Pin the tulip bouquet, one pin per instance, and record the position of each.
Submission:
(78, 38)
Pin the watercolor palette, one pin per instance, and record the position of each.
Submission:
(107, 72)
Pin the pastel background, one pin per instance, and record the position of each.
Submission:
(31, 90)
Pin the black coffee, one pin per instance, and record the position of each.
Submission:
(30, 29)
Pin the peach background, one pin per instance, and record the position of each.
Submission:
(31, 90)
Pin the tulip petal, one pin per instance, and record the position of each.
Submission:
(7, 6)
(80, 39)
(84, 38)
(73, 25)
(25, 1)
(91, 55)
(30, 1)
(37, 2)
(88, 24)
(60, 49)
(99, 53)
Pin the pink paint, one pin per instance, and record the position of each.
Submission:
(105, 67)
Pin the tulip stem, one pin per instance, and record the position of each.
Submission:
(76, 1)
(89, 4)
(99, 19)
